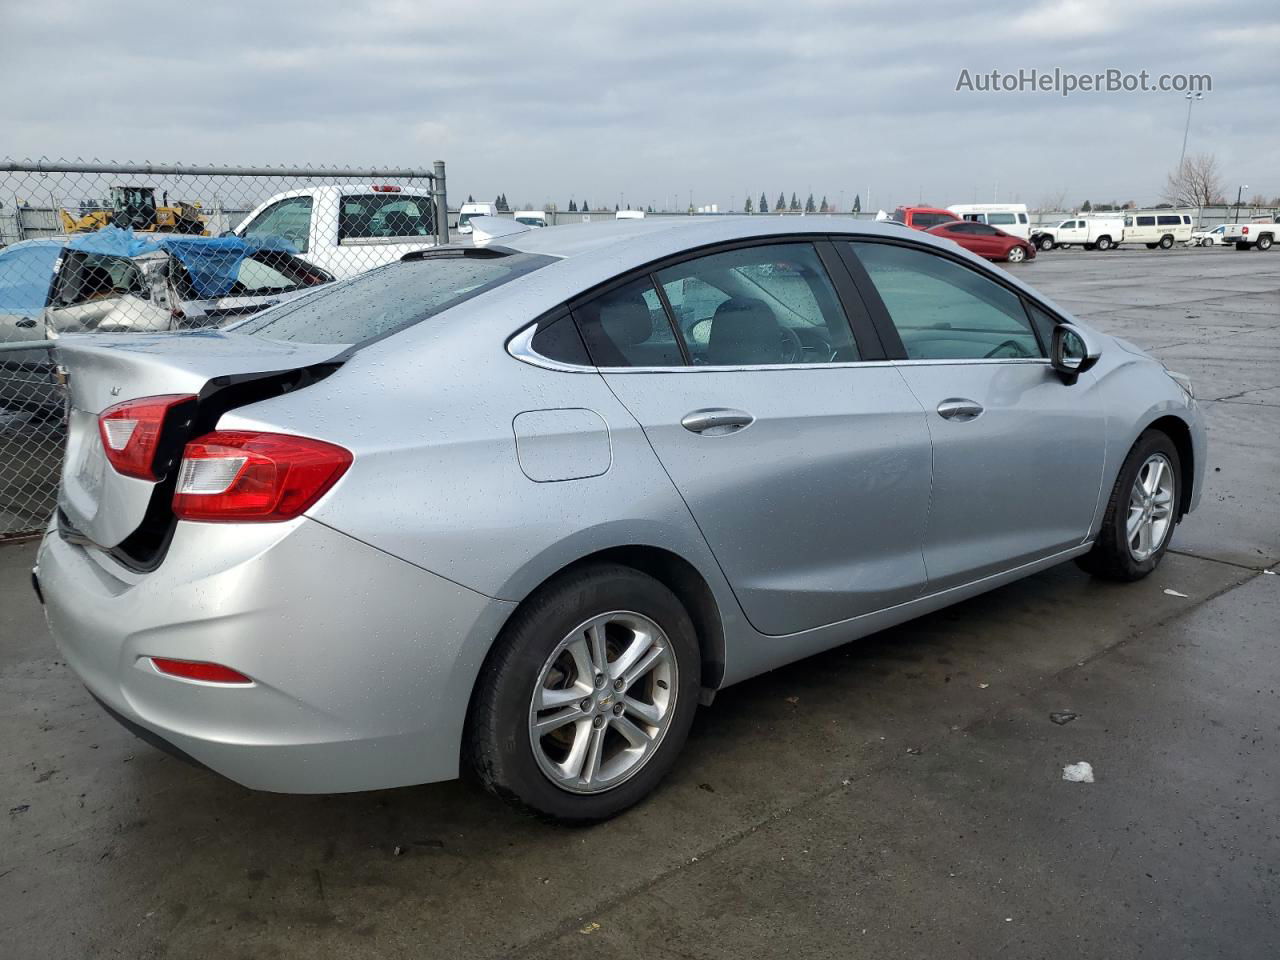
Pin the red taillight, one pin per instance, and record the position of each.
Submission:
(199, 670)
(131, 432)
(1244, 229)
(384, 188)
(236, 476)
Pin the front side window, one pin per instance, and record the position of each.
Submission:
(627, 327)
(373, 215)
(1169, 221)
(88, 277)
(945, 311)
(1022, 218)
(387, 299)
(289, 218)
(762, 305)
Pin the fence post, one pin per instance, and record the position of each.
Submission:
(441, 200)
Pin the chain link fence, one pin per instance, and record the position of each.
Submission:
(122, 249)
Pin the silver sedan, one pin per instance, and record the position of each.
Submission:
(522, 507)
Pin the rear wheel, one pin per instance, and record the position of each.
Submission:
(1166, 242)
(1104, 243)
(1264, 242)
(587, 698)
(1141, 513)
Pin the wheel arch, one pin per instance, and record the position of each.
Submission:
(1177, 430)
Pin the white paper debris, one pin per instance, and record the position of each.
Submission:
(1175, 593)
(1081, 772)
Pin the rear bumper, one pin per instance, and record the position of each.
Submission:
(363, 665)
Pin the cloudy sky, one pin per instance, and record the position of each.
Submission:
(655, 100)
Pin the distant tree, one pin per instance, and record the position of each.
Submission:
(795, 204)
(470, 198)
(573, 206)
(747, 207)
(1086, 207)
(586, 207)
(823, 207)
(782, 203)
(1194, 184)
(857, 203)
(649, 209)
(810, 206)
(1257, 200)
(764, 204)
(615, 208)
(1053, 202)
(1130, 205)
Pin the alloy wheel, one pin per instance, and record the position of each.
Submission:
(603, 702)
(1151, 503)
(1017, 255)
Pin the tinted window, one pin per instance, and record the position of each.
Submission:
(1169, 221)
(1001, 218)
(1043, 323)
(985, 231)
(963, 228)
(366, 216)
(627, 327)
(1146, 221)
(559, 341)
(26, 273)
(387, 298)
(1022, 218)
(758, 305)
(87, 277)
(927, 220)
(289, 218)
(944, 311)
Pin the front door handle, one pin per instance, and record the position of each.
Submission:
(959, 409)
(716, 423)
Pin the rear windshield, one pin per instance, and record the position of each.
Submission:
(388, 298)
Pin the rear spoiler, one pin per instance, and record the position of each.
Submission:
(487, 229)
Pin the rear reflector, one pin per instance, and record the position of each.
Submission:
(384, 188)
(199, 670)
(131, 432)
(238, 477)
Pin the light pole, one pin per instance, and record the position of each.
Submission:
(1191, 99)
(1239, 193)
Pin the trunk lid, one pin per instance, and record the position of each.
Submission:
(221, 370)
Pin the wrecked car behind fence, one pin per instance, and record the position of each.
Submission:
(55, 284)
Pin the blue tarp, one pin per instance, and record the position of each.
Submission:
(213, 263)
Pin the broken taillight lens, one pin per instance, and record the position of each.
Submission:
(131, 433)
(239, 476)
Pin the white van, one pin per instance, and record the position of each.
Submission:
(1154, 229)
(629, 215)
(470, 210)
(532, 218)
(1009, 217)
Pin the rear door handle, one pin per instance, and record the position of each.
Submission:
(959, 409)
(718, 422)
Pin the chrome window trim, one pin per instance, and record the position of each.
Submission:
(520, 346)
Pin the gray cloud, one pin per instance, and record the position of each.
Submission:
(542, 101)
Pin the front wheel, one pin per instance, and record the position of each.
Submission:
(1046, 243)
(1141, 513)
(587, 698)
(1016, 255)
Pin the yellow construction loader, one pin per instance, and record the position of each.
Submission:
(135, 208)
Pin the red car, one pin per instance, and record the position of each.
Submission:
(990, 242)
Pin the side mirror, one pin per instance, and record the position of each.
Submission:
(1072, 352)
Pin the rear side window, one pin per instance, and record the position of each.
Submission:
(1169, 221)
(1001, 219)
(388, 298)
(944, 311)
(627, 327)
(1146, 221)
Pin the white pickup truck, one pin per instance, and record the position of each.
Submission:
(347, 229)
(1246, 235)
(1104, 233)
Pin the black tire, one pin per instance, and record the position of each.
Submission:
(1166, 242)
(1264, 242)
(1104, 243)
(497, 747)
(1110, 557)
(1152, 246)
(1045, 243)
